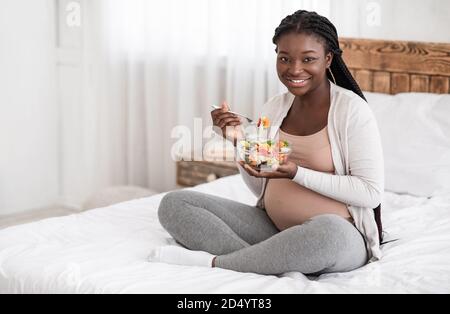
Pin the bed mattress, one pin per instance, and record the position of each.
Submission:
(105, 251)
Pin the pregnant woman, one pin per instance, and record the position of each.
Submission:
(320, 211)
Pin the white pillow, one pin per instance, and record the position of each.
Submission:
(415, 133)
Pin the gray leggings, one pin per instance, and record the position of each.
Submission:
(245, 239)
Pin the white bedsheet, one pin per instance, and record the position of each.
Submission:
(105, 251)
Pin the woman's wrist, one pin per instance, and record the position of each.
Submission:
(294, 173)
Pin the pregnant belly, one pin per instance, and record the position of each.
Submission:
(289, 204)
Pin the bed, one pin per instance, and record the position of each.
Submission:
(105, 250)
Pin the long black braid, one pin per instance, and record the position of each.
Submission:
(314, 24)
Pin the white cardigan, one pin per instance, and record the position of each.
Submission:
(357, 157)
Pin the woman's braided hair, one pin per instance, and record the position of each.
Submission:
(312, 23)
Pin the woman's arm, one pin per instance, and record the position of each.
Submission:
(364, 186)
(351, 190)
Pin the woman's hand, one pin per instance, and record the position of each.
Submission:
(229, 123)
(287, 170)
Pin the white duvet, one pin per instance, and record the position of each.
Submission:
(105, 251)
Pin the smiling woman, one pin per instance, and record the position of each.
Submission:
(314, 213)
(302, 62)
(308, 44)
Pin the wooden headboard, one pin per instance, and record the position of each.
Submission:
(393, 67)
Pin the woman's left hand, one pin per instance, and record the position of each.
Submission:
(287, 170)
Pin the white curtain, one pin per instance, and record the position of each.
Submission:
(151, 65)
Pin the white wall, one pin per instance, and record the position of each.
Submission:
(70, 73)
(415, 20)
(28, 109)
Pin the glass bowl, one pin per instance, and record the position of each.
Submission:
(263, 154)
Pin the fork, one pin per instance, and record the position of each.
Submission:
(238, 114)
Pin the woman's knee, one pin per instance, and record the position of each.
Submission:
(331, 234)
(171, 205)
(342, 242)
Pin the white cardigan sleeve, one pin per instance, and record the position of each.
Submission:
(364, 185)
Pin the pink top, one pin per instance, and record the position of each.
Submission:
(287, 202)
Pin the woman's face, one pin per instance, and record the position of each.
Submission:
(302, 62)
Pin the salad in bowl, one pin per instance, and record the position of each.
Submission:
(261, 152)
